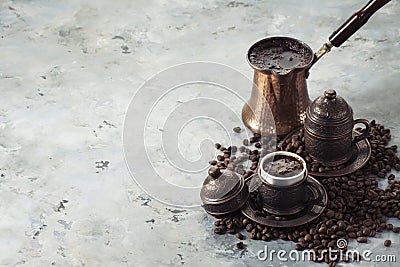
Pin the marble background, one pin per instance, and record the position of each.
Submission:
(68, 70)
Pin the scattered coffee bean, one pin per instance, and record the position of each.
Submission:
(361, 239)
(219, 231)
(240, 236)
(237, 129)
(214, 172)
(387, 243)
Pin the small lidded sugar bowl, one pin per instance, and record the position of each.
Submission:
(225, 194)
(328, 134)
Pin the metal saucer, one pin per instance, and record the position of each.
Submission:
(315, 190)
(361, 155)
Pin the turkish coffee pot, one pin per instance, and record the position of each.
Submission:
(281, 66)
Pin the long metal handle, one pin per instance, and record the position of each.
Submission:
(355, 22)
(349, 27)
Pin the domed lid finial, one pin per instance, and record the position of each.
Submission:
(330, 94)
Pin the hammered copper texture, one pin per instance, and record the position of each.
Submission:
(286, 96)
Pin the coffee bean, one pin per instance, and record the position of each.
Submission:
(212, 162)
(220, 157)
(387, 243)
(237, 129)
(240, 245)
(368, 222)
(322, 230)
(253, 235)
(307, 237)
(352, 235)
(258, 236)
(341, 225)
(330, 214)
(217, 223)
(217, 145)
(249, 227)
(219, 231)
(214, 172)
(361, 239)
(245, 142)
(298, 247)
(366, 232)
(231, 231)
(397, 167)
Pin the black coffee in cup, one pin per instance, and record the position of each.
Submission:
(283, 166)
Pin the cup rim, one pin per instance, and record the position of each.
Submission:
(289, 178)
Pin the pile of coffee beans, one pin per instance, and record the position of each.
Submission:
(357, 208)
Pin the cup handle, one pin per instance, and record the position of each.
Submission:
(313, 201)
(365, 134)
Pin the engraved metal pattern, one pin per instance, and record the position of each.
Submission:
(308, 214)
(224, 208)
(326, 129)
(361, 152)
(218, 189)
(330, 107)
(330, 152)
(283, 200)
(329, 116)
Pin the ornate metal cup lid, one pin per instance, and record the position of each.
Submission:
(215, 190)
(330, 108)
(329, 116)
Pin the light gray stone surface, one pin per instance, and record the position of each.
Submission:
(68, 70)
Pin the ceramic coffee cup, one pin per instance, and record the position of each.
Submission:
(283, 192)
